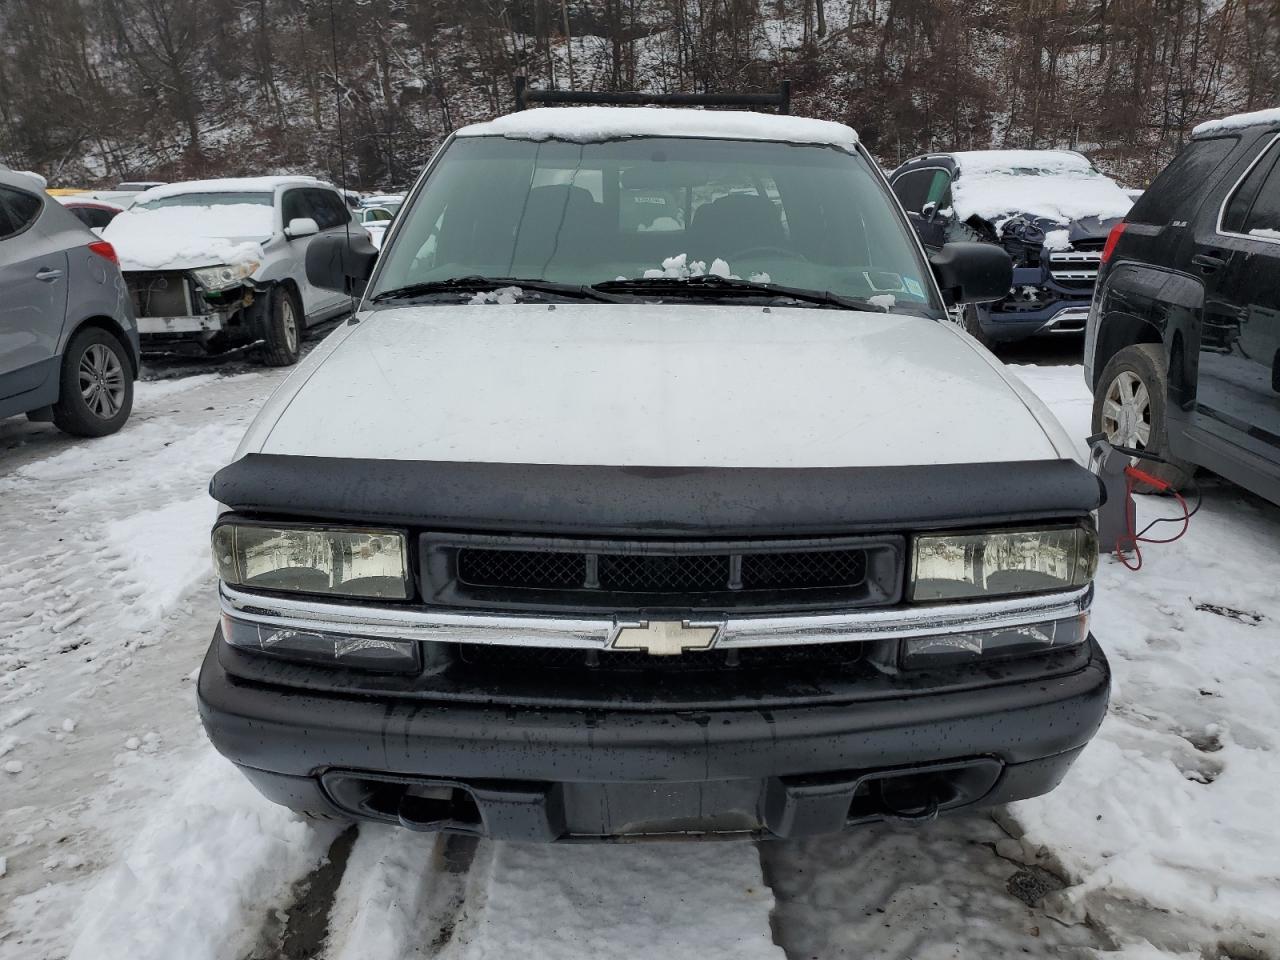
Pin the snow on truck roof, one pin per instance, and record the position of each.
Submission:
(1237, 121)
(596, 124)
(228, 185)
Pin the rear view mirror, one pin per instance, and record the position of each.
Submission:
(929, 211)
(970, 272)
(333, 263)
(301, 227)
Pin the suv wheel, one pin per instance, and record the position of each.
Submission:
(1129, 408)
(971, 320)
(282, 329)
(96, 392)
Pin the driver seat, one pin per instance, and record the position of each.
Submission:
(737, 221)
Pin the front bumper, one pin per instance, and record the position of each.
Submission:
(167, 326)
(554, 773)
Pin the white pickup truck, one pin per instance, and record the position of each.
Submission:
(650, 493)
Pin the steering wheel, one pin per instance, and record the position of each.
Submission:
(775, 251)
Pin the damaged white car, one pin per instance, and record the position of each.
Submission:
(649, 493)
(215, 265)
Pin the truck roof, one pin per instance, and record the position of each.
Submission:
(596, 124)
(1237, 121)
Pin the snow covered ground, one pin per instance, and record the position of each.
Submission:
(122, 835)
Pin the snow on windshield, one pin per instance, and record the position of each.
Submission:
(680, 267)
(597, 124)
(149, 239)
(1056, 184)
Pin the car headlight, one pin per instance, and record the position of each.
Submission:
(225, 275)
(983, 565)
(946, 650)
(340, 561)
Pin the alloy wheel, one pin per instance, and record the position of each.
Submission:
(1126, 411)
(102, 383)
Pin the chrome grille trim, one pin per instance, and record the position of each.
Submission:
(409, 623)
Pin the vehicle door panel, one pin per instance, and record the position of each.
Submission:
(1238, 379)
(33, 299)
(296, 203)
(334, 218)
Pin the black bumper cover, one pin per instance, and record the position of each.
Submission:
(561, 774)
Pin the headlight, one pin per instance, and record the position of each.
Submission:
(946, 650)
(967, 566)
(225, 275)
(326, 560)
(328, 649)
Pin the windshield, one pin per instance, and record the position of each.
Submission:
(216, 199)
(811, 217)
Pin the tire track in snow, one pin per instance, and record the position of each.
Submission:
(889, 892)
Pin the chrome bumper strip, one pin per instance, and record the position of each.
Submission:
(599, 633)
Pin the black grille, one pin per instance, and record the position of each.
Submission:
(663, 574)
(561, 575)
(494, 656)
(526, 569)
(804, 569)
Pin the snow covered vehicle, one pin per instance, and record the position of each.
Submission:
(1050, 209)
(589, 526)
(218, 264)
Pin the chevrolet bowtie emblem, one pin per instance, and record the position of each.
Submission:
(665, 638)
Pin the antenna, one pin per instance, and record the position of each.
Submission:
(342, 147)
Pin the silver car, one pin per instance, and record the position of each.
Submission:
(216, 265)
(68, 341)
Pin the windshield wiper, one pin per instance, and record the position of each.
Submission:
(716, 286)
(477, 284)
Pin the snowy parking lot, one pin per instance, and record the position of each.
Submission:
(123, 835)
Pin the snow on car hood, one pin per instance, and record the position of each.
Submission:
(646, 385)
(1054, 184)
(182, 237)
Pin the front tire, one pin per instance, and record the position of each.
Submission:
(1129, 407)
(96, 392)
(971, 320)
(282, 333)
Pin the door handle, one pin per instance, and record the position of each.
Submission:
(48, 274)
(1208, 262)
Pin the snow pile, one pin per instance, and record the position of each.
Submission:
(597, 124)
(680, 267)
(503, 295)
(1238, 120)
(213, 858)
(1055, 184)
(1266, 233)
(190, 236)
(165, 551)
(1057, 240)
(1167, 805)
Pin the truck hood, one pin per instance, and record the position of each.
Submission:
(654, 385)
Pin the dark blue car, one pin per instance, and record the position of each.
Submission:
(1051, 210)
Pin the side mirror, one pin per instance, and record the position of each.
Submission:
(970, 272)
(300, 227)
(929, 211)
(335, 264)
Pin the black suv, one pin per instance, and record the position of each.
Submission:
(1183, 344)
(1050, 210)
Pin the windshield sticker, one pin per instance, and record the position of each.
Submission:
(914, 287)
(883, 281)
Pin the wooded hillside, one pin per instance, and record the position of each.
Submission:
(94, 91)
